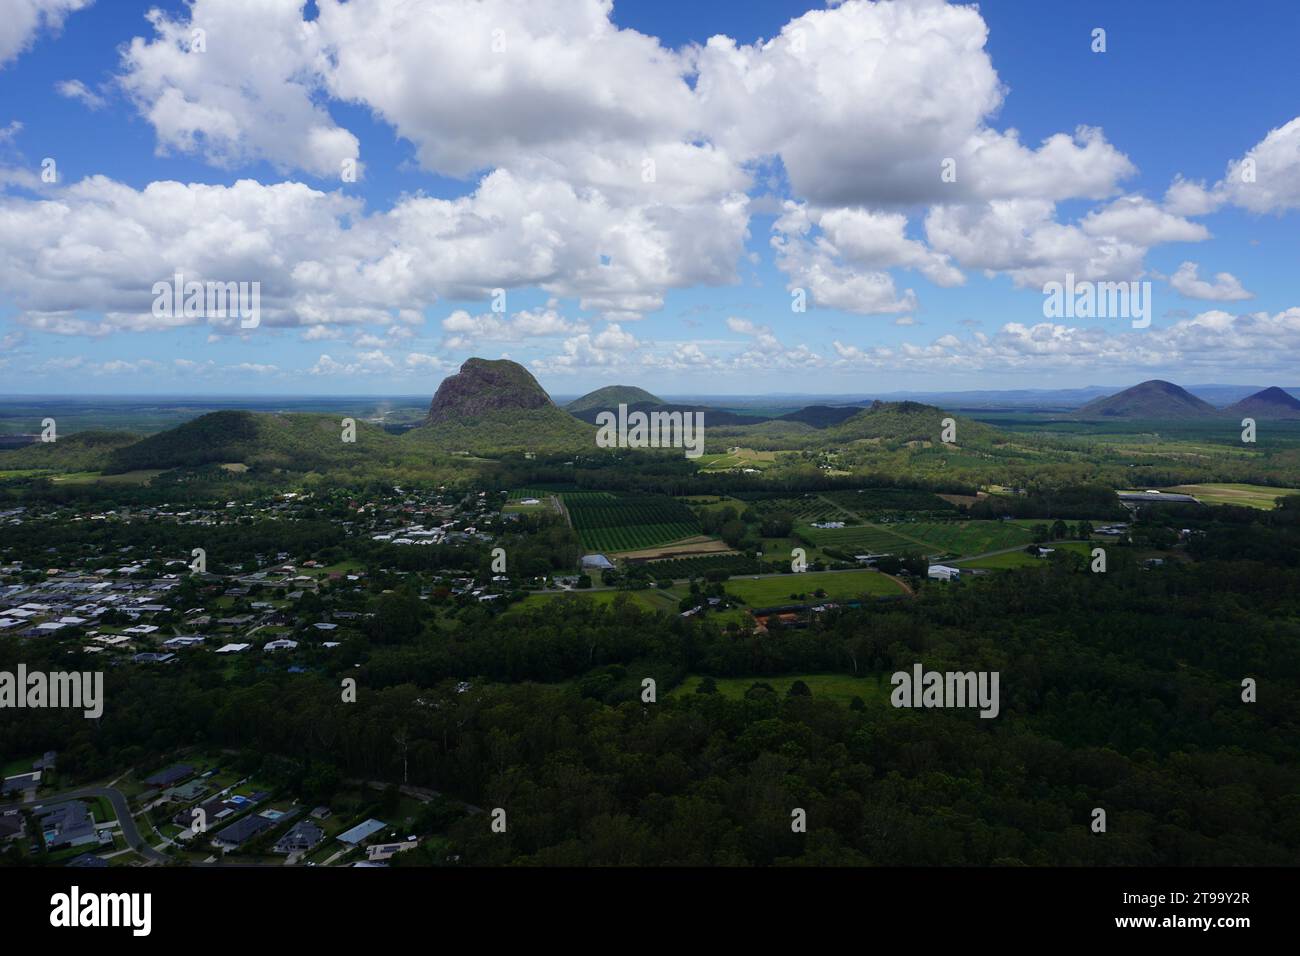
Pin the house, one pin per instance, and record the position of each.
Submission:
(170, 776)
(182, 641)
(281, 645)
(301, 837)
(22, 783)
(596, 562)
(150, 657)
(88, 861)
(321, 813)
(380, 852)
(233, 648)
(943, 572)
(241, 831)
(359, 833)
(67, 824)
(47, 761)
(11, 826)
(189, 792)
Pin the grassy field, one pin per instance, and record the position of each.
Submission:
(838, 585)
(968, 537)
(141, 477)
(840, 688)
(927, 537)
(738, 458)
(1246, 496)
(651, 599)
(1019, 559)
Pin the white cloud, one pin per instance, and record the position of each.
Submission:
(1022, 238)
(1267, 178)
(864, 102)
(243, 93)
(76, 90)
(1225, 288)
(464, 330)
(24, 19)
(98, 246)
(1254, 342)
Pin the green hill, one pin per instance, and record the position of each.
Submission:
(257, 439)
(80, 451)
(610, 397)
(908, 422)
(1151, 400)
(1271, 403)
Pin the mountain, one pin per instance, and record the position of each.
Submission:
(822, 416)
(1269, 403)
(610, 397)
(908, 422)
(713, 417)
(494, 406)
(483, 386)
(80, 451)
(297, 442)
(1155, 399)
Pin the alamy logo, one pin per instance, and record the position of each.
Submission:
(1098, 300)
(651, 430)
(212, 300)
(74, 908)
(36, 689)
(922, 688)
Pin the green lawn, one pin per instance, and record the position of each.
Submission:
(1019, 559)
(838, 585)
(840, 688)
(652, 599)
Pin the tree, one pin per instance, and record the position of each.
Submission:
(1060, 529)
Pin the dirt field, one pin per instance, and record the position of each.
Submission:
(685, 548)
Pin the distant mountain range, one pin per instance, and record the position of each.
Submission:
(1161, 400)
(498, 406)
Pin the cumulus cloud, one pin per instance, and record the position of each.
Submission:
(99, 246)
(240, 89)
(23, 20)
(1225, 288)
(1267, 178)
(76, 90)
(464, 330)
(1213, 340)
(914, 84)
(1022, 238)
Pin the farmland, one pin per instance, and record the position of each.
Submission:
(860, 539)
(1245, 496)
(927, 537)
(1022, 559)
(836, 585)
(613, 523)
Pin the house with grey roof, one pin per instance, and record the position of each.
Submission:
(302, 836)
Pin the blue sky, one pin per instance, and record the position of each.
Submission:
(505, 146)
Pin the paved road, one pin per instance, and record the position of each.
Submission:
(118, 802)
